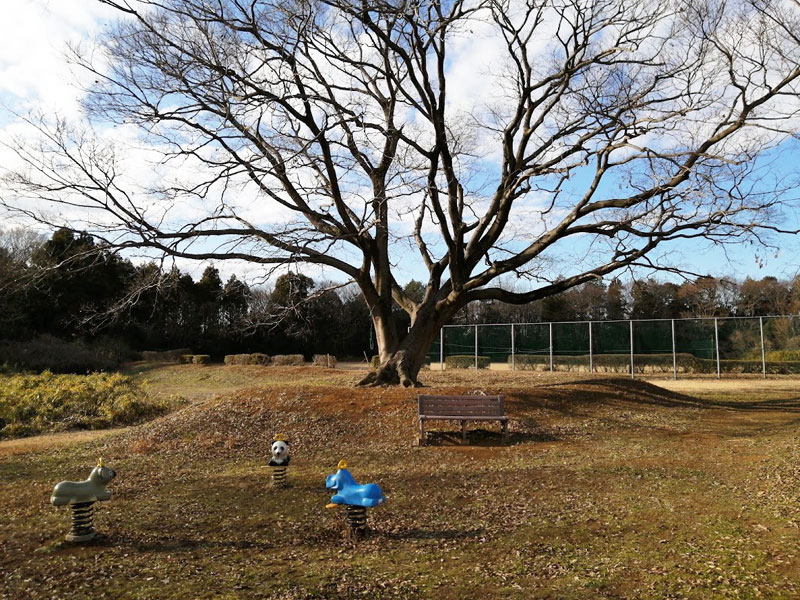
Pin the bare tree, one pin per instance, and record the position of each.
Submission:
(608, 130)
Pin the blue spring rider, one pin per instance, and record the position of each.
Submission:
(354, 497)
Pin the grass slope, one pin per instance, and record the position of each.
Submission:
(606, 488)
(31, 404)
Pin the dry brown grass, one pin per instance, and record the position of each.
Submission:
(605, 488)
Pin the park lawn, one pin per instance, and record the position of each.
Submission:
(605, 488)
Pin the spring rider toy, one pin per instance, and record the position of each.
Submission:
(81, 496)
(279, 461)
(354, 497)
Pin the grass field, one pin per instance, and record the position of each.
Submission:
(605, 488)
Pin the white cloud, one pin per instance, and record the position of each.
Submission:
(35, 34)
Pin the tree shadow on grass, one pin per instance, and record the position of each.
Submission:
(142, 368)
(484, 437)
(163, 543)
(431, 534)
(187, 544)
(567, 397)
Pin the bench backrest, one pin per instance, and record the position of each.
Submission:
(462, 406)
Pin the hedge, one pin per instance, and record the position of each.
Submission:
(604, 363)
(466, 361)
(256, 358)
(166, 356)
(201, 359)
(649, 363)
(783, 356)
(295, 360)
(324, 360)
(259, 358)
(748, 366)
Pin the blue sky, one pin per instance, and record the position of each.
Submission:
(33, 74)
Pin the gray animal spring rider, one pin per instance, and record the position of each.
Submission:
(81, 496)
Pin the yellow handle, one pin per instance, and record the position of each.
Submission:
(342, 464)
(331, 505)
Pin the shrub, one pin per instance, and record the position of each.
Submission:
(295, 360)
(650, 363)
(202, 359)
(235, 359)
(60, 356)
(466, 361)
(783, 356)
(530, 362)
(375, 362)
(257, 358)
(31, 404)
(784, 368)
(748, 366)
(324, 360)
(605, 363)
(167, 356)
(187, 359)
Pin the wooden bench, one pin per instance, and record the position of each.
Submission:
(460, 408)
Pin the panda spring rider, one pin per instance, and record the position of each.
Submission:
(279, 460)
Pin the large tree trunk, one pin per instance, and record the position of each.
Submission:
(402, 361)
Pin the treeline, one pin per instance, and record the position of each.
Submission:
(71, 288)
(650, 299)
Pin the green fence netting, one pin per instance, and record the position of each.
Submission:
(724, 345)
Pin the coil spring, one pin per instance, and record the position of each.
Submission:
(356, 517)
(279, 476)
(82, 522)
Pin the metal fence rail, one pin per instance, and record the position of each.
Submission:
(765, 345)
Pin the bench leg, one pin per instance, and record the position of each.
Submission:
(464, 430)
(421, 432)
(504, 425)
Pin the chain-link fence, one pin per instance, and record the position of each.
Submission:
(716, 346)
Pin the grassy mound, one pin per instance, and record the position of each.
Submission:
(31, 404)
(604, 488)
(330, 422)
(323, 421)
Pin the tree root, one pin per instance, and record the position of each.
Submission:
(389, 374)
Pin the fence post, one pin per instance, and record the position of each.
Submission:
(513, 349)
(631, 326)
(674, 355)
(476, 347)
(716, 346)
(591, 358)
(551, 347)
(763, 356)
(441, 349)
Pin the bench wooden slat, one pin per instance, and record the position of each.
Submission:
(485, 413)
(483, 399)
(460, 408)
(462, 417)
(437, 403)
(438, 410)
